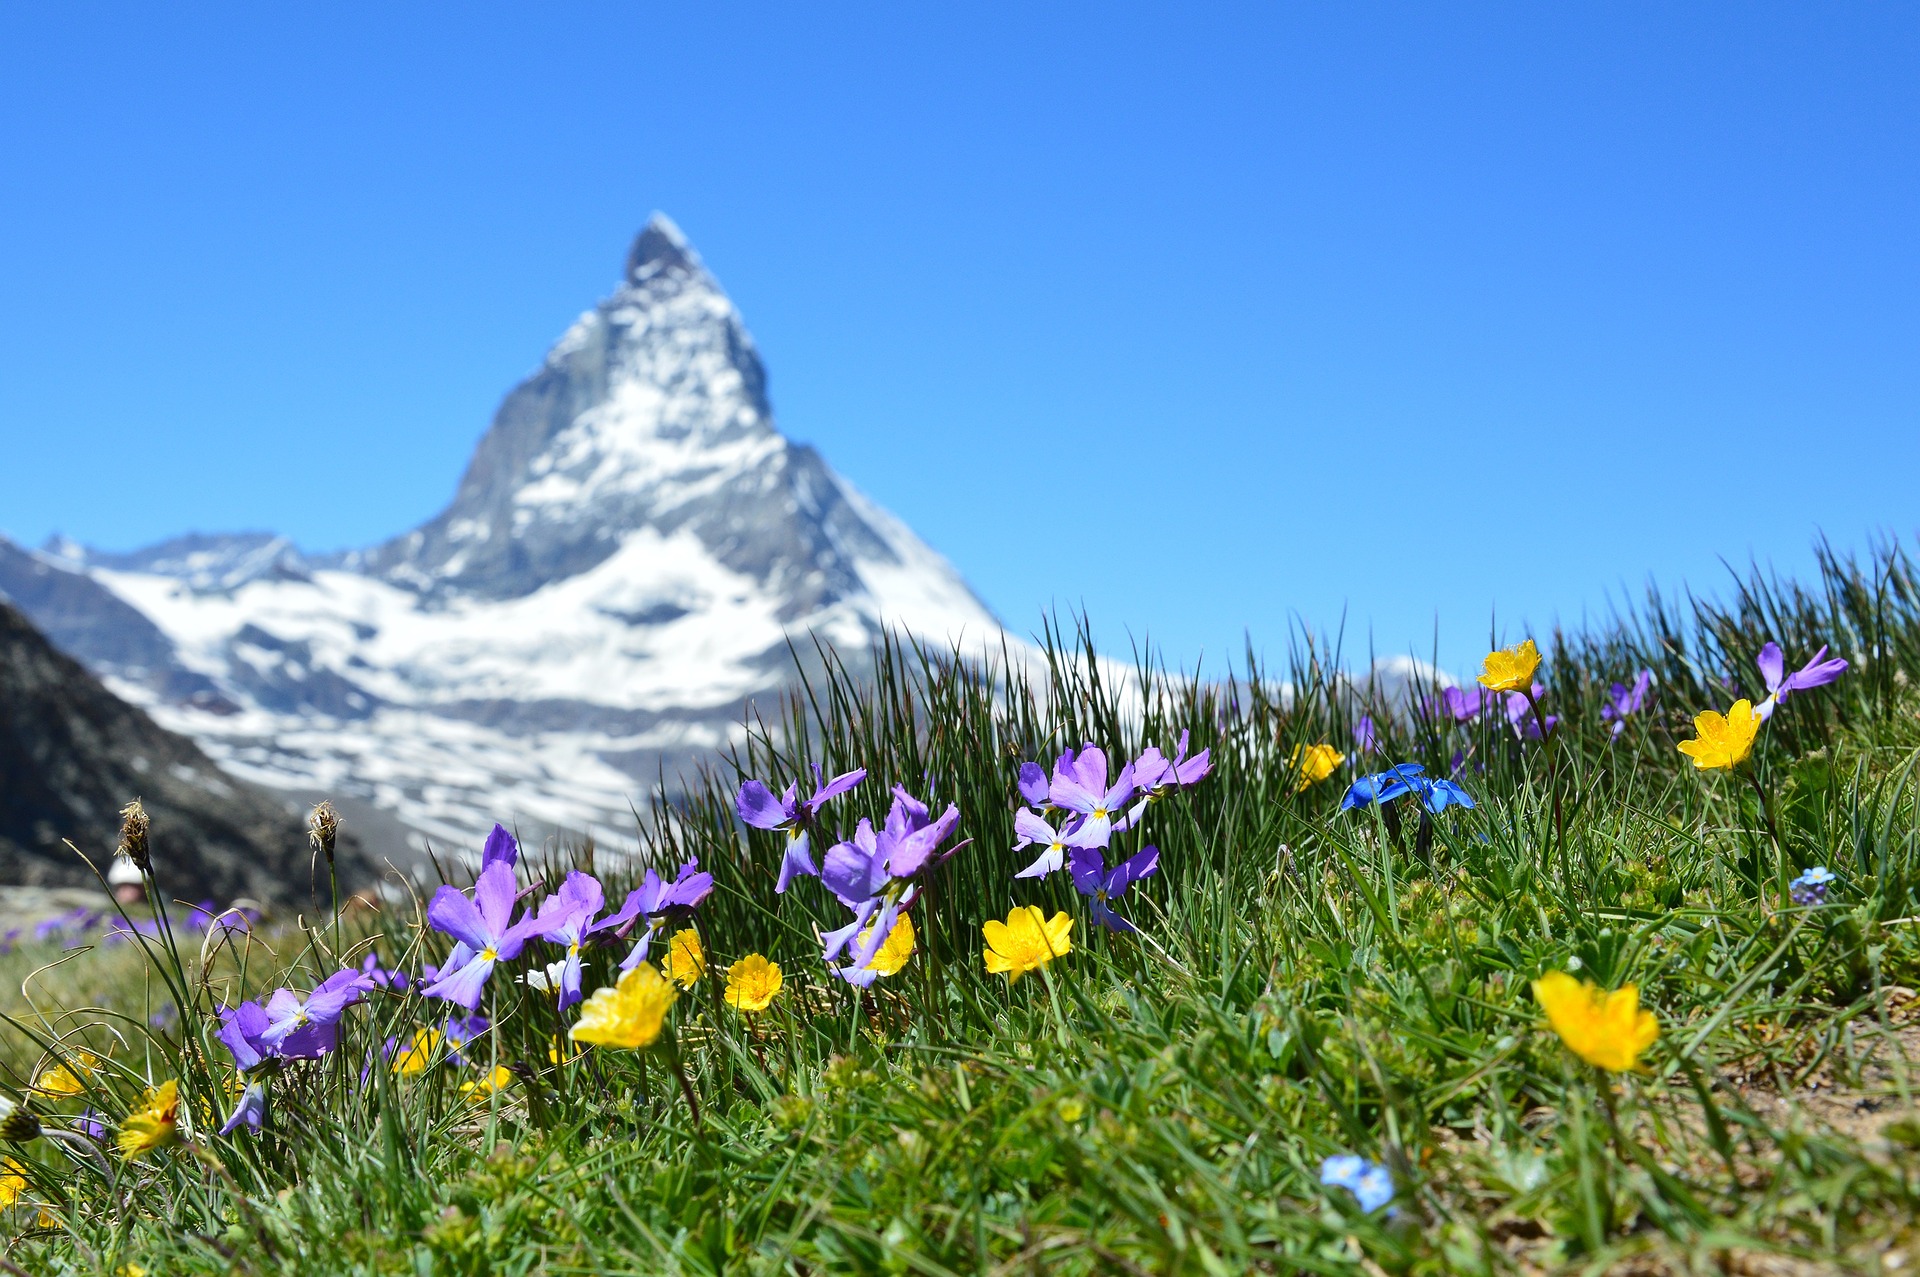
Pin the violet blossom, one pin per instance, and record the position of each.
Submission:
(1624, 702)
(1521, 717)
(1365, 738)
(297, 1025)
(1080, 786)
(565, 918)
(873, 873)
(250, 1111)
(1155, 775)
(653, 901)
(1032, 829)
(1817, 672)
(759, 808)
(501, 848)
(1102, 886)
(480, 925)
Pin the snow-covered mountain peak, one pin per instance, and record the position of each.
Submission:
(659, 248)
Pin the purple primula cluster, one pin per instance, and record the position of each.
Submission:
(1091, 810)
(877, 874)
(1817, 672)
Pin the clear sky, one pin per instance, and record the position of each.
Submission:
(1209, 318)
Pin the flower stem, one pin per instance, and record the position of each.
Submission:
(1553, 766)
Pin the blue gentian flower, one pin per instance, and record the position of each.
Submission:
(1369, 1182)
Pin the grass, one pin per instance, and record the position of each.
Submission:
(1310, 983)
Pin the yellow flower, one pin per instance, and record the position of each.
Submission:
(893, 955)
(417, 1055)
(752, 983)
(1511, 669)
(686, 960)
(155, 1124)
(1723, 741)
(1608, 1030)
(1026, 941)
(628, 1015)
(67, 1077)
(1315, 763)
(499, 1080)
(559, 1050)
(13, 1182)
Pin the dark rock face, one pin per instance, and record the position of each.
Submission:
(72, 754)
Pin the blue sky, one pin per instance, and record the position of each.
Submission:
(1209, 318)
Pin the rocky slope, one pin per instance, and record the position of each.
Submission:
(72, 753)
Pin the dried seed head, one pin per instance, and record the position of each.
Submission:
(18, 1125)
(133, 836)
(323, 826)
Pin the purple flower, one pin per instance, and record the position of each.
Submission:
(241, 1029)
(1365, 738)
(479, 923)
(461, 1030)
(1033, 829)
(90, 1125)
(1369, 1182)
(1521, 717)
(1156, 775)
(1080, 786)
(1817, 672)
(501, 849)
(1033, 783)
(565, 918)
(300, 1027)
(872, 874)
(1624, 702)
(378, 977)
(1102, 886)
(1463, 704)
(653, 900)
(758, 807)
(251, 1110)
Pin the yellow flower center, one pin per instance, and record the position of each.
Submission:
(490, 953)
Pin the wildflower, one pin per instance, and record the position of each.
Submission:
(1314, 763)
(1156, 775)
(871, 874)
(890, 953)
(501, 848)
(565, 918)
(914, 834)
(1369, 1182)
(480, 926)
(1511, 668)
(1810, 888)
(654, 900)
(250, 1111)
(1722, 742)
(323, 828)
(304, 1027)
(1817, 672)
(155, 1124)
(1520, 715)
(686, 960)
(1102, 886)
(752, 983)
(628, 1015)
(1026, 941)
(496, 1081)
(1365, 738)
(1407, 778)
(1462, 704)
(459, 1032)
(547, 978)
(1623, 702)
(13, 1181)
(1080, 786)
(1033, 829)
(758, 807)
(65, 1077)
(378, 977)
(1033, 783)
(18, 1125)
(1607, 1030)
(417, 1055)
(90, 1125)
(134, 828)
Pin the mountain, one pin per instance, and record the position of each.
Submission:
(72, 754)
(632, 549)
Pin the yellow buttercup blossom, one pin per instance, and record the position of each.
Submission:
(1314, 763)
(893, 954)
(686, 960)
(418, 1054)
(1511, 669)
(628, 1015)
(155, 1124)
(1722, 742)
(499, 1080)
(752, 983)
(1607, 1030)
(13, 1182)
(1026, 941)
(67, 1077)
